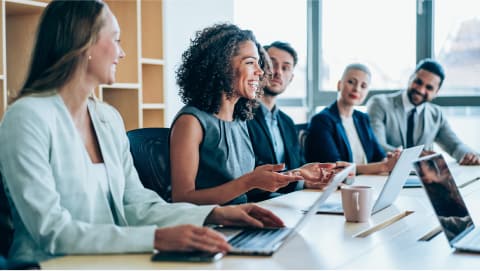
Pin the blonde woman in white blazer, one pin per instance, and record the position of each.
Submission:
(65, 158)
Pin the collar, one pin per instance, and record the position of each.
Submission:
(266, 112)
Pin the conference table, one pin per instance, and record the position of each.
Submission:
(403, 236)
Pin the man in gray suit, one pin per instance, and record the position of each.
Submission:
(407, 118)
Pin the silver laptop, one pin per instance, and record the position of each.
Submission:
(448, 203)
(392, 186)
(265, 241)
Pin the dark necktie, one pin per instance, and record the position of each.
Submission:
(410, 127)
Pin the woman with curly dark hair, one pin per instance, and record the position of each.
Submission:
(211, 154)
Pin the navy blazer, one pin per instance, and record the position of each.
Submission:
(264, 151)
(262, 140)
(327, 140)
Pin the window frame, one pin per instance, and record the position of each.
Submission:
(315, 96)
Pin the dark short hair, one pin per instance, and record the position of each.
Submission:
(432, 66)
(285, 46)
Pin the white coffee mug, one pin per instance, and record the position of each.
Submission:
(357, 203)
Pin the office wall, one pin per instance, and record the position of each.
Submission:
(182, 18)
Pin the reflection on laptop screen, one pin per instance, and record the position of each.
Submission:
(443, 192)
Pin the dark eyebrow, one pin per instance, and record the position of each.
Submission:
(284, 62)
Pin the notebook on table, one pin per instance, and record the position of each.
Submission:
(447, 202)
(265, 241)
(391, 188)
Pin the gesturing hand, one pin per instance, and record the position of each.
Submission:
(319, 175)
(267, 178)
(189, 238)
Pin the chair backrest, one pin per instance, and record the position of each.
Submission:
(302, 133)
(151, 157)
(6, 225)
(301, 127)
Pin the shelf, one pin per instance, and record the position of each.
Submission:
(152, 27)
(152, 61)
(20, 26)
(138, 93)
(2, 48)
(126, 102)
(121, 85)
(126, 13)
(152, 78)
(153, 118)
(3, 96)
(153, 106)
(23, 7)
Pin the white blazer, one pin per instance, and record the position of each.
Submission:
(56, 208)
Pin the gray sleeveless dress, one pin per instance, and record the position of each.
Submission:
(226, 152)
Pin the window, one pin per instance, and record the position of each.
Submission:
(377, 33)
(283, 20)
(457, 45)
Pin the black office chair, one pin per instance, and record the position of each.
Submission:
(302, 133)
(151, 157)
(6, 226)
(301, 127)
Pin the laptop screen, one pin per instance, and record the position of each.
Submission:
(443, 193)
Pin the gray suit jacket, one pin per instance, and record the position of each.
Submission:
(389, 123)
(58, 206)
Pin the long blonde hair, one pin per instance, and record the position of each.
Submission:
(67, 29)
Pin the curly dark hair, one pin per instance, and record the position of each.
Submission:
(206, 70)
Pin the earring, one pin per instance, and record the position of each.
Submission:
(89, 57)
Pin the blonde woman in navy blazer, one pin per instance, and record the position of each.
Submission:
(330, 135)
(65, 158)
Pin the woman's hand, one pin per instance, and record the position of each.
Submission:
(317, 175)
(268, 178)
(244, 215)
(189, 238)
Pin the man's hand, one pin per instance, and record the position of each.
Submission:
(470, 159)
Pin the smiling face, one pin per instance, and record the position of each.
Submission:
(247, 70)
(423, 87)
(353, 87)
(104, 55)
(283, 65)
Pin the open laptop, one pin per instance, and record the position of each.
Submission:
(391, 188)
(448, 203)
(265, 241)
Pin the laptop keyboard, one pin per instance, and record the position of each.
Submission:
(259, 241)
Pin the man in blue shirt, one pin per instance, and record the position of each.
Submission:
(272, 132)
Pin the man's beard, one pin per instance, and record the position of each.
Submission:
(413, 91)
(268, 92)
